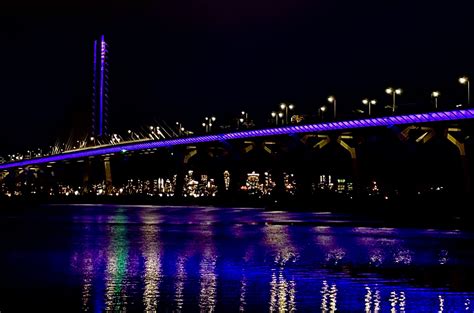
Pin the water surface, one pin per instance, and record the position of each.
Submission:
(193, 259)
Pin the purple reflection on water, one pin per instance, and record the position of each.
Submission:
(146, 258)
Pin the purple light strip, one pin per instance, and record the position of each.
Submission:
(101, 92)
(329, 126)
(94, 78)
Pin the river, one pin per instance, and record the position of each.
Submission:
(206, 259)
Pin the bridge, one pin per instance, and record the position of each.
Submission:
(386, 121)
(307, 150)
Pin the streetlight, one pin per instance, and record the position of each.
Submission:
(332, 99)
(465, 81)
(394, 92)
(280, 115)
(286, 107)
(275, 116)
(245, 114)
(435, 95)
(240, 122)
(180, 128)
(322, 110)
(208, 123)
(370, 103)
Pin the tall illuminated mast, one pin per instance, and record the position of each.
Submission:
(100, 89)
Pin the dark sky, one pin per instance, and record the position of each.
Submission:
(183, 60)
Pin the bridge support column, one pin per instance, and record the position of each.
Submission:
(249, 146)
(108, 175)
(462, 153)
(342, 141)
(325, 139)
(86, 176)
(3, 175)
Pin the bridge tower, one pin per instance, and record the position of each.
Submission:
(100, 89)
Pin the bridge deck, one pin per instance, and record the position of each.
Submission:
(310, 128)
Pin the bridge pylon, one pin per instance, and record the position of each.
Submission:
(452, 134)
(108, 175)
(343, 140)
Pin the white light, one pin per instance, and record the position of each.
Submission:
(274, 114)
(291, 106)
(463, 80)
(373, 101)
(365, 101)
(280, 114)
(213, 118)
(243, 112)
(398, 91)
(435, 94)
(282, 106)
(389, 90)
(331, 99)
(203, 124)
(323, 109)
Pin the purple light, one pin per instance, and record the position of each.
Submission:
(353, 124)
(101, 92)
(94, 82)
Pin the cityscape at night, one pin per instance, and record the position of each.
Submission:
(250, 156)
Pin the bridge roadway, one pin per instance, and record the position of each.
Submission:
(284, 130)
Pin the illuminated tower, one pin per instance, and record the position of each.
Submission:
(100, 89)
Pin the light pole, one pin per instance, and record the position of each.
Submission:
(245, 115)
(435, 95)
(332, 99)
(180, 128)
(370, 103)
(240, 122)
(465, 81)
(394, 92)
(321, 111)
(286, 107)
(208, 123)
(275, 116)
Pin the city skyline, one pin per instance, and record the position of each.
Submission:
(165, 63)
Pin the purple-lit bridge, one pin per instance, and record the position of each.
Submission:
(310, 128)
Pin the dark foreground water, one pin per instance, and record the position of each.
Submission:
(141, 258)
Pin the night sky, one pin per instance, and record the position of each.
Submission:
(183, 60)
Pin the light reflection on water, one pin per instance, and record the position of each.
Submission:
(221, 260)
(152, 263)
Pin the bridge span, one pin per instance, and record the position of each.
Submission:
(284, 130)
